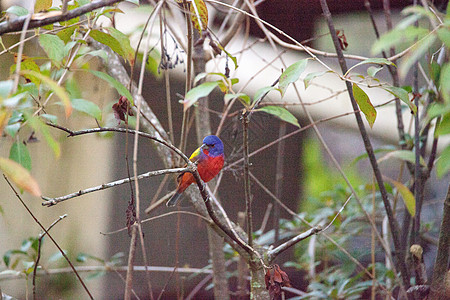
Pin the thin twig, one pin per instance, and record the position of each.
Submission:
(400, 259)
(36, 264)
(158, 217)
(130, 264)
(50, 237)
(19, 53)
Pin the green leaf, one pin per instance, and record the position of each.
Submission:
(73, 20)
(5, 88)
(376, 60)
(407, 196)
(83, 257)
(398, 36)
(435, 110)
(12, 129)
(364, 104)
(110, 41)
(444, 125)
(401, 94)
(53, 46)
(66, 34)
(415, 53)
(243, 97)
(17, 10)
(233, 58)
(121, 89)
(444, 83)
(28, 266)
(5, 114)
(73, 88)
(225, 87)
(42, 5)
(406, 155)
(124, 41)
(51, 118)
(311, 76)
(444, 35)
(419, 11)
(42, 128)
(87, 107)
(281, 113)
(82, 2)
(8, 254)
(19, 176)
(291, 74)
(263, 92)
(443, 163)
(56, 256)
(379, 150)
(372, 71)
(19, 153)
(28, 64)
(53, 85)
(198, 92)
(13, 101)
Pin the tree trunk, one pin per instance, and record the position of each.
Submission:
(440, 285)
(258, 289)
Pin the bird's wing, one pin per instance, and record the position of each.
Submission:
(197, 155)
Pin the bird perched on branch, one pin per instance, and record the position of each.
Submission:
(209, 158)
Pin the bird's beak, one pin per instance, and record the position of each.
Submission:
(204, 146)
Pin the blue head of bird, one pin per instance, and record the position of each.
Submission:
(213, 144)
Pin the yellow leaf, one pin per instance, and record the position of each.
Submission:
(364, 104)
(4, 117)
(407, 196)
(42, 5)
(20, 176)
(198, 10)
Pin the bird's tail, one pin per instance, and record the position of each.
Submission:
(173, 200)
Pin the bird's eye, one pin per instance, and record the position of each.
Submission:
(212, 145)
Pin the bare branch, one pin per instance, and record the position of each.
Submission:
(16, 24)
(53, 201)
(50, 237)
(400, 261)
(271, 254)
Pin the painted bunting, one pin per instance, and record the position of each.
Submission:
(209, 158)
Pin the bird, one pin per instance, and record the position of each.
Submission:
(209, 158)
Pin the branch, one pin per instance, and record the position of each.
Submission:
(53, 201)
(122, 130)
(51, 238)
(440, 270)
(395, 231)
(106, 268)
(36, 264)
(271, 254)
(17, 23)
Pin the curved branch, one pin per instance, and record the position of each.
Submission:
(16, 24)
